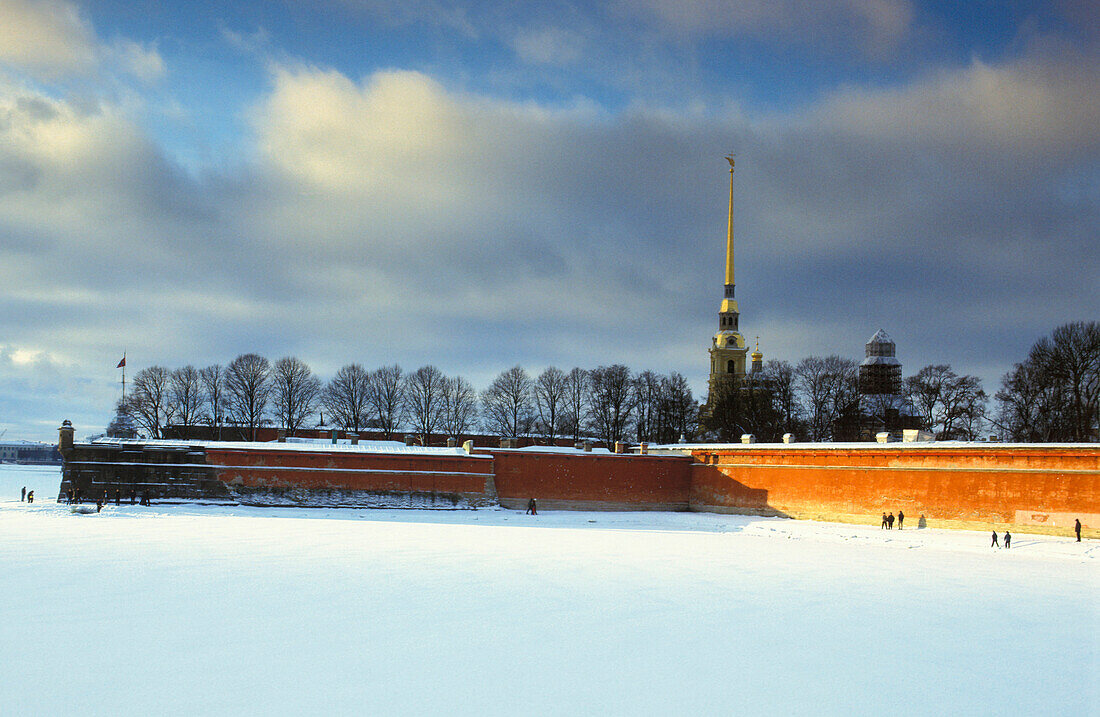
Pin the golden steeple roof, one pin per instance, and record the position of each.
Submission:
(729, 229)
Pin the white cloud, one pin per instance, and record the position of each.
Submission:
(48, 38)
(141, 61)
(549, 46)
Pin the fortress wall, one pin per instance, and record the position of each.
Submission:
(1032, 484)
(1038, 485)
(562, 481)
(288, 476)
(161, 472)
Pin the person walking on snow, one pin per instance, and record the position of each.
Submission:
(532, 509)
(1077, 529)
(890, 522)
(884, 520)
(901, 517)
(30, 497)
(23, 495)
(995, 544)
(1008, 539)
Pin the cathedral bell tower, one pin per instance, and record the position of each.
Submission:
(728, 348)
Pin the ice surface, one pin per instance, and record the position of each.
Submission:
(231, 610)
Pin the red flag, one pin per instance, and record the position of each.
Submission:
(122, 363)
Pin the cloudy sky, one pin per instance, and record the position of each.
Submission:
(476, 184)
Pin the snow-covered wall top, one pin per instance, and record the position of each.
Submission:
(391, 447)
(867, 445)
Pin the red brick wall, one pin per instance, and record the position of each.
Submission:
(593, 482)
(352, 471)
(962, 483)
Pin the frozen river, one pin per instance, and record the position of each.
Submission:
(230, 610)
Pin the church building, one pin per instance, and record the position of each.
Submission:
(728, 349)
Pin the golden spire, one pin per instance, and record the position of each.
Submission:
(729, 229)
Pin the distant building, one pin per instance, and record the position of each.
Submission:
(29, 452)
(881, 405)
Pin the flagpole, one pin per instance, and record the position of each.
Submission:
(123, 377)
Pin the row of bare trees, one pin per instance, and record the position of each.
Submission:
(1053, 395)
(609, 402)
(248, 393)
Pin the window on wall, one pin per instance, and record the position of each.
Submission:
(730, 367)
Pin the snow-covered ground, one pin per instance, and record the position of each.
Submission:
(232, 610)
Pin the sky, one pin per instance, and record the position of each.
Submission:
(478, 185)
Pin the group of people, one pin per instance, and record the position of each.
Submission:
(1007, 539)
(25, 496)
(888, 520)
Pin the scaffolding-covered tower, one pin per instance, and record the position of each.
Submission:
(880, 372)
(881, 404)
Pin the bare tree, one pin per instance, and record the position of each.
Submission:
(149, 403)
(186, 396)
(248, 387)
(744, 404)
(826, 385)
(423, 396)
(507, 404)
(213, 383)
(647, 398)
(459, 413)
(926, 389)
(575, 414)
(780, 377)
(611, 402)
(1028, 405)
(550, 398)
(1054, 394)
(679, 411)
(387, 398)
(347, 397)
(725, 419)
(295, 392)
(950, 405)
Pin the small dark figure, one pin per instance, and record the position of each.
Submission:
(69, 495)
(30, 497)
(145, 497)
(79, 497)
(901, 517)
(1008, 539)
(995, 544)
(884, 520)
(118, 497)
(23, 495)
(922, 522)
(133, 496)
(98, 505)
(890, 522)
(1077, 529)
(532, 509)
